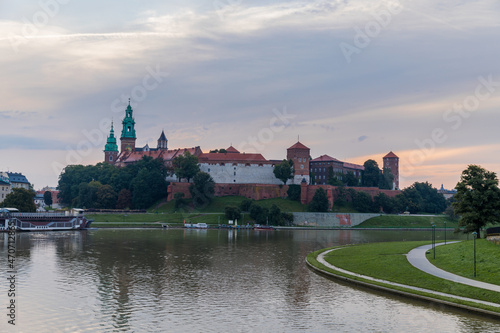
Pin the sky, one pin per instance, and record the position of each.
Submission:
(350, 79)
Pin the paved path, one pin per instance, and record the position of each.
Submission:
(417, 258)
(321, 259)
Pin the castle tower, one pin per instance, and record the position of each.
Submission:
(391, 162)
(111, 148)
(162, 142)
(300, 155)
(128, 132)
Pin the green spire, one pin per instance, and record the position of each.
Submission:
(128, 124)
(111, 143)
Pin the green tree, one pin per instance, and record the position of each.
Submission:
(180, 201)
(350, 179)
(294, 192)
(47, 198)
(259, 214)
(148, 187)
(478, 199)
(186, 166)
(87, 194)
(21, 199)
(283, 171)
(124, 199)
(275, 217)
(202, 189)
(386, 179)
(246, 204)
(106, 197)
(371, 174)
(363, 202)
(334, 179)
(385, 203)
(319, 202)
(232, 213)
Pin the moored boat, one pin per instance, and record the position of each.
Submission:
(12, 219)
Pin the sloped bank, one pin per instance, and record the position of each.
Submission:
(387, 270)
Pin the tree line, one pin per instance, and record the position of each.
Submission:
(418, 198)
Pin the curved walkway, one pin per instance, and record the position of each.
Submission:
(321, 259)
(417, 258)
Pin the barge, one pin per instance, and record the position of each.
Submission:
(12, 219)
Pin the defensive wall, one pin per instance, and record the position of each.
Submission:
(268, 191)
(332, 220)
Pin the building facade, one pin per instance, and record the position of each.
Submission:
(5, 186)
(325, 166)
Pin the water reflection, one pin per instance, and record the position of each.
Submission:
(206, 281)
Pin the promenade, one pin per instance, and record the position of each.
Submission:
(419, 261)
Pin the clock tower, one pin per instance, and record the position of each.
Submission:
(128, 132)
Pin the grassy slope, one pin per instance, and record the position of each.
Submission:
(166, 213)
(397, 221)
(387, 261)
(459, 259)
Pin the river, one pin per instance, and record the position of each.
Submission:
(174, 280)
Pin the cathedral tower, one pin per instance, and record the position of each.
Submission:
(128, 132)
(111, 148)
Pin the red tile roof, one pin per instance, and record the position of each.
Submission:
(353, 166)
(325, 158)
(391, 155)
(231, 149)
(298, 145)
(231, 157)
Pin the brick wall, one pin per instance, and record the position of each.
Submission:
(268, 191)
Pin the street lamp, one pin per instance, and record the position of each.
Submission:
(434, 239)
(475, 236)
(444, 232)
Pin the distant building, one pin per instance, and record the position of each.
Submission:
(238, 168)
(5, 186)
(447, 194)
(18, 180)
(320, 169)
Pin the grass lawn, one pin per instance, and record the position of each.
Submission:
(398, 221)
(387, 261)
(219, 203)
(458, 258)
(174, 218)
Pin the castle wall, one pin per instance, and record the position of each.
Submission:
(239, 173)
(268, 191)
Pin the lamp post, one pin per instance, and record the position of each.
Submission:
(434, 239)
(475, 236)
(444, 232)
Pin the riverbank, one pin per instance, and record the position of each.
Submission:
(387, 263)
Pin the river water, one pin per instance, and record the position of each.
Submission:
(138, 280)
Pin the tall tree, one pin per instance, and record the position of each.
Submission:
(202, 189)
(371, 174)
(386, 179)
(478, 199)
(284, 171)
(319, 202)
(21, 199)
(186, 166)
(47, 198)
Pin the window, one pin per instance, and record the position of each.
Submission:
(235, 173)
(208, 169)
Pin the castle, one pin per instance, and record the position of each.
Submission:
(233, 166)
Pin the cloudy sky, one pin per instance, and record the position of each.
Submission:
(354, 79)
